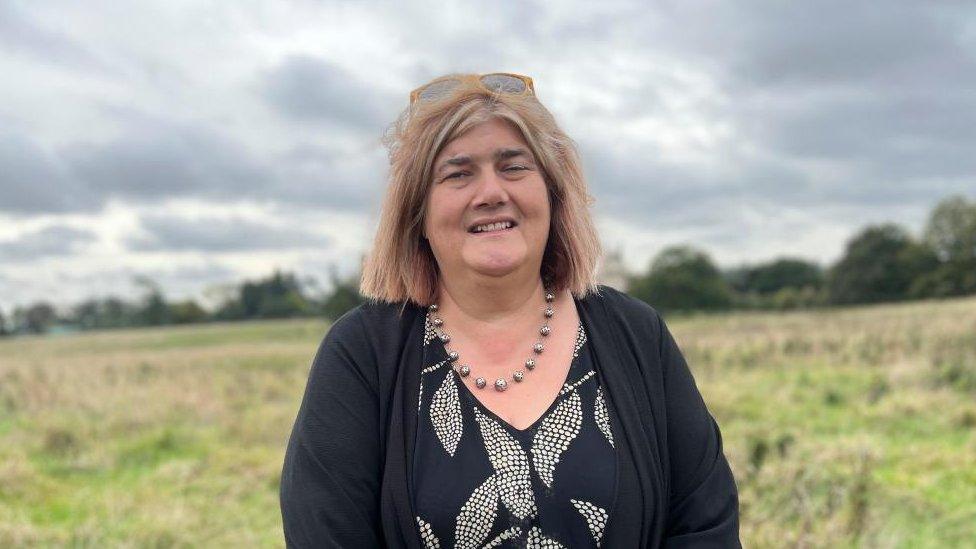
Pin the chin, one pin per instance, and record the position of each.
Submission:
(495, 266)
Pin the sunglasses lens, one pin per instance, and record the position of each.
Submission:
(437, 89)
(503, 83)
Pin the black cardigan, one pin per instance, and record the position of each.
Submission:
(345, 484)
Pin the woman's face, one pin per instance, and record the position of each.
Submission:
(487, 174)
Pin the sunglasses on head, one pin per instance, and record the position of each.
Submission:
(496, 82)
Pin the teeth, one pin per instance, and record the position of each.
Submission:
(493, 226)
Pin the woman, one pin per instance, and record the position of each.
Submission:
(490, 394)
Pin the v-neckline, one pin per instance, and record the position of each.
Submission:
(555, 400)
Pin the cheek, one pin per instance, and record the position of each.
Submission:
(439, 217)
(540, 205)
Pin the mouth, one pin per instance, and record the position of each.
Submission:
(498, 227)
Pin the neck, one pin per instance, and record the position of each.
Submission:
(492, 300)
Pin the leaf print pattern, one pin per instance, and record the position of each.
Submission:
(538, 540)
(568, 388)
(512, 532)
(445, 414)
(555, 435)
(580, 340)
(507, 467)
(477, 515)
(427, 535)
(596, 518)
(511, 467)
(601, 416)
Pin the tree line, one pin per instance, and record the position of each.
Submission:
(279, 295)
(881, 263)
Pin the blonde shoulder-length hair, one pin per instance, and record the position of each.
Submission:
(401, 265)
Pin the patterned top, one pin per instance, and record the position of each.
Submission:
(480, 482)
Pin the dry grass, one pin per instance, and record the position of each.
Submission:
(851, 427)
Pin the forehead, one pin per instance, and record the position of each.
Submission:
(484, 138)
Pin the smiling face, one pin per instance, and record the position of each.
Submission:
(487, 174)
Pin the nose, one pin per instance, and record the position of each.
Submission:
(491, 191)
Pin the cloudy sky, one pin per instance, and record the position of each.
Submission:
(201, 143)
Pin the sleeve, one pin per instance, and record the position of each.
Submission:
(330, 480)
(704, 500)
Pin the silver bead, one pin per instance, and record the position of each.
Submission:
(518, 375)
(550, 297)
(549, 312)
(453, 356)
(480, 382)
(433, 307)
(545, 330)
(438, 322)
(501, 385)
(464, 370)
(445, 338)
(538, 348)
(530, 363)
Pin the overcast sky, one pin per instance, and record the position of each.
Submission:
(201, 143)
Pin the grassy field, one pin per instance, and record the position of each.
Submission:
(845, 428)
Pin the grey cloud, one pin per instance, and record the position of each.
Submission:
(309, 89)
(219, 235)
(653, 191)
(312, 176)
(55, 240)
(887, 89)
(904, 136)
(760, 45)
(154, 160)
(33, 180)
(20, 33)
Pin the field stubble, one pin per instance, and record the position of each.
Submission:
(845, 428)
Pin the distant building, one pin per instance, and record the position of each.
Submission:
(611, 271)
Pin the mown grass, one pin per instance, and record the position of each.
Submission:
(845, 428)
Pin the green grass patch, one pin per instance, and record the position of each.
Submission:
(852, 427)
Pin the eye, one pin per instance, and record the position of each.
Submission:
(455, 175)
(515, 168)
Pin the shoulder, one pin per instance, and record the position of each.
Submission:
(372, 318)
(625, 308)
(369, 329)
(357, 342)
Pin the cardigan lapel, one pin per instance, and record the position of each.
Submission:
(640, 505)
(399, 524)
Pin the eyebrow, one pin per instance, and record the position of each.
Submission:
(500, 154)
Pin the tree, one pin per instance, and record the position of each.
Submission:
(951, 229)
(771, 277)
(277, 296)
(951, 233)
(879, 264)
(154, 310)
(3, 324)
(682, 278)
(115, 313)
(37, 318)
(187, 311)
(344, 296)
(86, 315)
